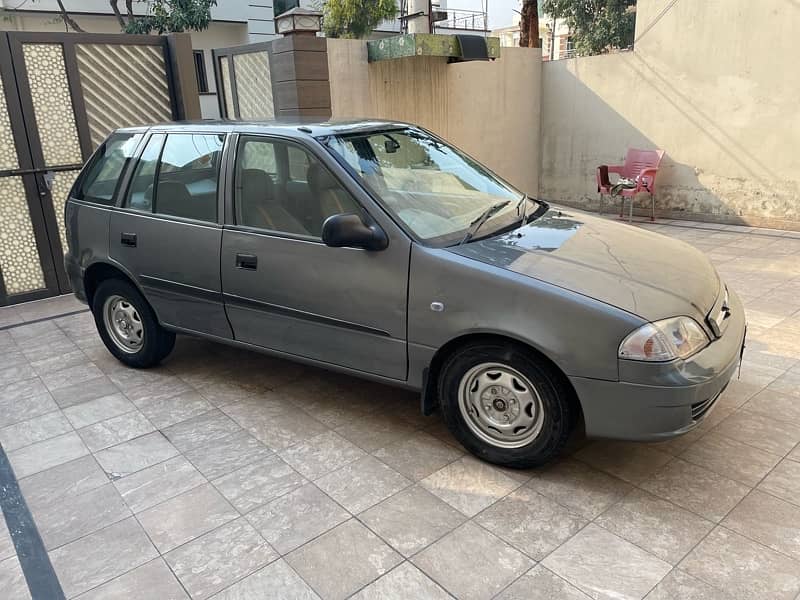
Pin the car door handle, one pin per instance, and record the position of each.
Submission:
(128, 239)
(247, 261)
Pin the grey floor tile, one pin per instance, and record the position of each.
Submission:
(680, 585)
(94, 411)
(115, 430)
(784, 481)
(78, 373)
(85, 391)
(202, 430)
(6, 543)
(375, 430)
(151, 392)
(258, 483)
(276, 581)
(773, 404)
(49, 453)
(151, 581)
(135, 455)
(412, 520)
(655, 525)
(163, 481)
(401, 583)
(418, 456)
(34, 430)
(541, 584)
(321, 454)
(768, 520)
(742, 567)
(696, 489)
(292, 520)
(604, 565)
(60, 362)
(471, 563)
(227, 454)
(361, 484)
(186, 517)
(730, 458)
(78, 515)
(12, 580)
(342, 561)
(219, 558)
(227, 392)
(101, 556)
(579, 487)
(19, 372)
(276, 424)
(60, 482)
(15, 410)
(469, 485)
(630, 462)
(777, 437)
(168, 411)
(531, 522)
(133, 379)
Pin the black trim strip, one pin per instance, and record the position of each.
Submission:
(174, 287)
(33, 559)
(249, 303)
(42, 319)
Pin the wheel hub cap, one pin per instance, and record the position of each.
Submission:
(500, 405)
(123, 324)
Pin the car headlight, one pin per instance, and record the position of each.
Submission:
(668, 339)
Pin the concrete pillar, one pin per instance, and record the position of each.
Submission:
(419, 24)
(184, 78)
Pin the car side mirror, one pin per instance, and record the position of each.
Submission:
(349, 231)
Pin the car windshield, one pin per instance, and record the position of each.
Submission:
(431, 187)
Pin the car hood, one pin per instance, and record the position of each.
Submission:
(644, 273)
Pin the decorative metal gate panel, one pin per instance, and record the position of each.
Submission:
(243, 76)
(60, 95)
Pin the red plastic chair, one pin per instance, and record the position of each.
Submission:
(640, 168)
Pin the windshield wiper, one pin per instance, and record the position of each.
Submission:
(484, 216)
(523, 204)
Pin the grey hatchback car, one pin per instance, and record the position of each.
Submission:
(378, 249)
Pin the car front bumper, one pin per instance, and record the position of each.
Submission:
(653, 401)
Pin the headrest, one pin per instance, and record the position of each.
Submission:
(173, 190)
(258, 181)
(320, 179)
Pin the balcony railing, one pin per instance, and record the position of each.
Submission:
(463, 19)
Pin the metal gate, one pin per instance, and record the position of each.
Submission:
(60, 95)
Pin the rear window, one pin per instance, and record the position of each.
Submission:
(102, 175)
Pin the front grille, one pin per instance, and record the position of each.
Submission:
(700, 409)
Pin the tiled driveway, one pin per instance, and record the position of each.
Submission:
(233, 475)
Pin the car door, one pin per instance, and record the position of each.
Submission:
(286, 290)
(167, 233)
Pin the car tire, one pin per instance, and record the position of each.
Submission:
(506, 405)
(128, 326)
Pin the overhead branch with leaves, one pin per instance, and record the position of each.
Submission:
(596, 26)
(355, 18)
(162, 16)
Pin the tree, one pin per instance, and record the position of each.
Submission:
(355, 18)
(163, 16)
(596, 26)
(529, 24)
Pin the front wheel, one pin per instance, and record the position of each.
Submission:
(128, 325)
(506, 405)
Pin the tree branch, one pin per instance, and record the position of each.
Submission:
(129, 7)
(115, 8)
(68, 21)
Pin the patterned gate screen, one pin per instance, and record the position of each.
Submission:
(245, 79)
(62, 94)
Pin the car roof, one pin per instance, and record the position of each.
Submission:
(291, 127)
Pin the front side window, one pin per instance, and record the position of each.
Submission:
(177, 175)
(102, 176)
(281, 187)
(434, 189)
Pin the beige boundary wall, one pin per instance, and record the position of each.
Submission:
(488, 109)
(715, 83)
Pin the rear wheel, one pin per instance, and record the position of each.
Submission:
(128, 325)
(506, 405)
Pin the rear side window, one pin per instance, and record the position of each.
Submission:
(102, 175)
(178, 176)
